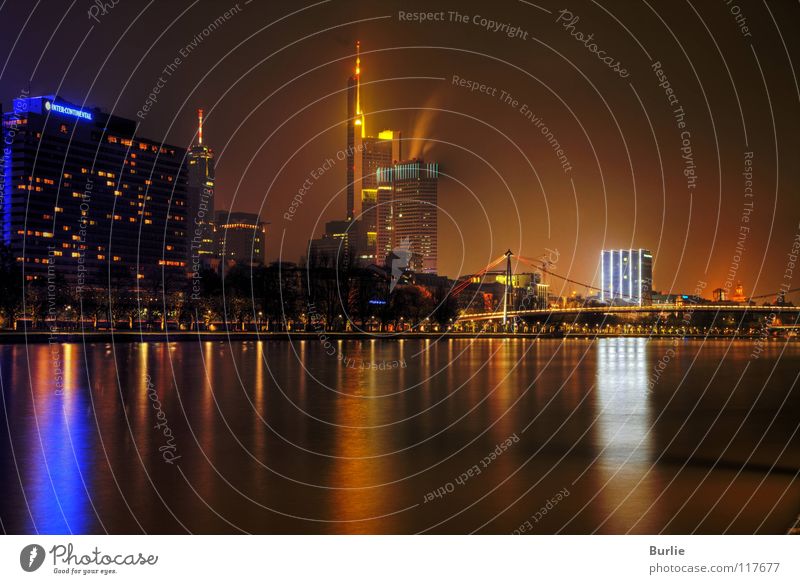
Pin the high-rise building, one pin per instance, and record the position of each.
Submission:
(85, 196)
(626, 276)
(384, 228)
(542, 295)
(240, 238)
(201, 244)
(412, 222)
(382, 151)
(365, 154)
(356, 131)
(334, 247)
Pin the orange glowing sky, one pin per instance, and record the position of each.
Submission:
(274, 100)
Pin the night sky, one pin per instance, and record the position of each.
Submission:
(272, 80)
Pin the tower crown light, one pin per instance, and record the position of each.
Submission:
(200, 127)
(359, 114)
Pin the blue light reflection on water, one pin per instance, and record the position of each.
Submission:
(59, 444)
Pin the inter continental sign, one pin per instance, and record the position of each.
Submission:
(66, 110)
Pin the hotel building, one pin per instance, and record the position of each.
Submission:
(84, 195)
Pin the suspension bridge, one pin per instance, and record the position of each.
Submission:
(506, 312)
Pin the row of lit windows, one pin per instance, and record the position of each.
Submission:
(240, 226)
(142, 145)
(38, 179)
(30, 232)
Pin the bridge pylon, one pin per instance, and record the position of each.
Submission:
(509, 288)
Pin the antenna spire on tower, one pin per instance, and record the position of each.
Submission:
(200, 127)
(359, 113)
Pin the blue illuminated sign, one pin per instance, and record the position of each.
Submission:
(66, 110)
(374, 301)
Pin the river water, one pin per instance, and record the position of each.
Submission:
(615, 435)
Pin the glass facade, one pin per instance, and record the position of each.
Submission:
(626, 276)
(410, 217)
(86, 198)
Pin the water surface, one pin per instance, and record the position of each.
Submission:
(282, 437)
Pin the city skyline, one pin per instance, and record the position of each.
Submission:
(346, 267)
(601, 212)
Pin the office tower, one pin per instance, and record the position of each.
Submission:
(626, 275)
(382, 151)
(201, 244)
(240, 238)
(333, 249)
(542, 295)
(85, 196)
(384, 228)
(356, 131)
(412, 223)
(365, 154)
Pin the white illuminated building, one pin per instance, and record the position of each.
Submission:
(626, 276)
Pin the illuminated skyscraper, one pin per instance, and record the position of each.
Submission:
(356, 131)
(365, 154)
(411, 220)
(333, 249)
(200, 199)
(240, 238)
(626, 275)
(84, 197)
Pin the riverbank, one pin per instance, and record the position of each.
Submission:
(21, 337)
